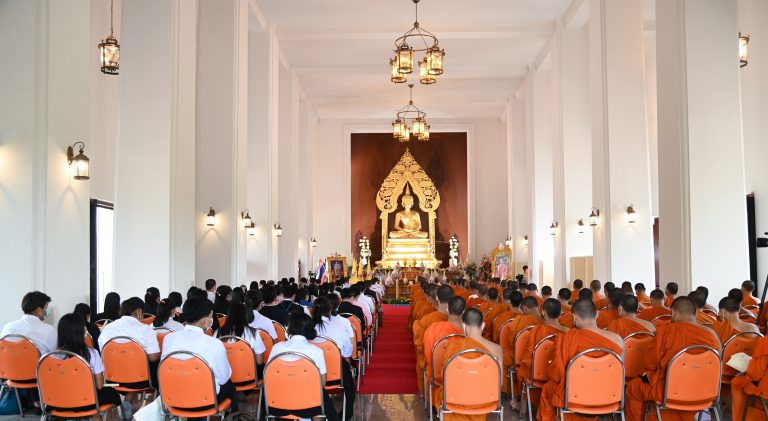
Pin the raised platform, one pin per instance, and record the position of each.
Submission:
(408, 252)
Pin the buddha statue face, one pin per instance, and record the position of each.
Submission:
(407, 201)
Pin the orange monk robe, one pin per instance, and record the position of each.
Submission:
(419, 328)
(704, 318)
(724, 330)
(420, 310)
(500, 320)
(539, 300)
(668, 300)
(564, 308)
(566, 320)
(748, 300)
(498, 289)
(485, 306)
(456, 346)
(644, 299)
(625, 327)
(651, 313)
(599, 301)
(604, 317)
(471, 302)
(574, 296)
(515, 326)
(434, 333)
(754, 382)
(538, 333)
(668, 341)
(566, 347)
(763, 318)
(461, 292)
(489, 317)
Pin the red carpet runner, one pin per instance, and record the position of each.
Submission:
(393, 364)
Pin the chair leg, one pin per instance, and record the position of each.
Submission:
(258, 405)
(530, 407)
(622, 416)
(658, 410)
(717, 412)
(344, 406)
(746, 407)
(645, 411)
(765, 406)
(562, 415)
(523, 391)
(424, 382)
(429, 408)
(18, 402)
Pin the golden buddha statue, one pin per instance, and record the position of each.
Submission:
(407, 221)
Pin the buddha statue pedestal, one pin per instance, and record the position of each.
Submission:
(408, 252)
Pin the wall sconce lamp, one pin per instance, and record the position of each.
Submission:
(509, 241)
(313, 242)
(245, 219)
(278, 230)
(743, 50)
(594, 217)
(553, 228)
(631, 214)
(582, 227)
(251, 229)
(525, 240)
(82, 163)
(211, 217)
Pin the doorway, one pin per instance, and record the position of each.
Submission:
(102, 244)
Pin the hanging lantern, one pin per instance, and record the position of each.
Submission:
(404, 55)
(396, 76)
(398, 128)
(425, 78)
(425, 133)
(434, 58)
(109, 49)
(418, 127)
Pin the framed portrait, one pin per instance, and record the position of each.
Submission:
(337, 267)
(503, 267)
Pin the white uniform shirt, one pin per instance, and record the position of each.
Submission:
(94, 362)
(40, 333)
(132, 328)
(251, 338)
(378, 289)
(368, 301)
(211, 296)
(338, 334)
(264, 323)
(366, 311)
(193, 339)
(300, 344)
(173, 325)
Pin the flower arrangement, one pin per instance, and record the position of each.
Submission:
(470, 269)
(397, 301)
(486, 270)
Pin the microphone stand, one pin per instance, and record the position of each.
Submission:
(762, 300)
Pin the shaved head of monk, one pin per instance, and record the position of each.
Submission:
(627, 305)
(730, 305)
(614, 297)
(586, 294)
(444, 294)
(456, 306)
(551, 309)
(683, 310)
(516, 299)
(530, 304)
(584, 312)
(472, 318)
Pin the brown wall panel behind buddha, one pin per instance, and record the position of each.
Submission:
(444, 158)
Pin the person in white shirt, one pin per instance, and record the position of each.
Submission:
(31, 324)
(322, 312)
(259, 320)
(364, 298)
(129, 324)
(301, 330)
(210, 289)
(165, 312)
(358, 293)
(237, 325)
(198, 312)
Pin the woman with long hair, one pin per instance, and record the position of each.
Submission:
(237, 324)
(84, 311)
(338, 330)
(111, 307)
(71, 337)
(164, 318)
(151, 299)
(221, 302)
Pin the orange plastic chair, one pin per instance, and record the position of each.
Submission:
(68, 383)
(741, 342)
(125, 361)
(162, 332)
(636, 346)
(358, 352)
(280, 330)
(594, 384)
(692, 383)
(334, 380)
(148, 319)
(661, 320)
(748, 317)
(222, 318)
(472, 386)
(18, 364)
(292, 382)
(88, 340)
(242, 359)
(517, 353)
(438, 354)
(711, 312)
(188, 384)
(543, 353)
(102, 322)
(268, 342)
(504, 334)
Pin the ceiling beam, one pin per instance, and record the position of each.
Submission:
(455, 72)
(532, 31)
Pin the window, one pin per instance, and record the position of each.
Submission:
(102, 235)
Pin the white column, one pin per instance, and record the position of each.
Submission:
(221, 146)
(519, 185)
(703, 238)
(154, 180)
(620, 167)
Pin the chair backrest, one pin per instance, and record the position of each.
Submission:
(748, 317)
(693, 377)
(268, 342)
(594, 378)
(241, 358)
(504, 333)
(102, 322)
(438, 350)
(636, 346)
(661, 319)
(280, 330)
(543, 353)
(520, 340)
(125, 361)
(469, 381)
(710, 312)
(148, 319)
(332, 356)
(18, 358)
(162, 332)
(88, 340)
(186, 381)
(65, 381)
(222, 319)
(741, 342)
(292, 382)
(358, 328)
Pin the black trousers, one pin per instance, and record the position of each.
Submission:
(106, 395)
(349, 387)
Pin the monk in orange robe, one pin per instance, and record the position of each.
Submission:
(515, 300)
(730, 323)
(530, 317)
(748, 287)
(425, 306)
(566, 319)
(629, 323)
(601, 303)
(586, 335)
(753, 382)
(533, 291)
(497, 310)
(611, 312)
(657, 307)
(444, 294)
(564, 297)
(578, 284)
(598, 299)
(550, 326)
(670, 293)
(476, 297)
(472, 321)
(668, 341)
(700, 301)
(440, 330)
(459, 291)
(642, 297)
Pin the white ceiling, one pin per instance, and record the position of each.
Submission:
(340, 52)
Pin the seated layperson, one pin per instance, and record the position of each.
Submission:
(238, 324)
(348, 306)
(198, 312)
(84, 311)
(272, 308)
(164, 318)
(111, 307)
(31, 324)
(260, 321)
(340, 335)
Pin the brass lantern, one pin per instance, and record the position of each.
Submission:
(82, 163)
(396, 76)
(398, 128)
(404, 57)
(434, 58)
(418, 40)
(109, 49)
(425, 78)
(419, 126)
(743, 50)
